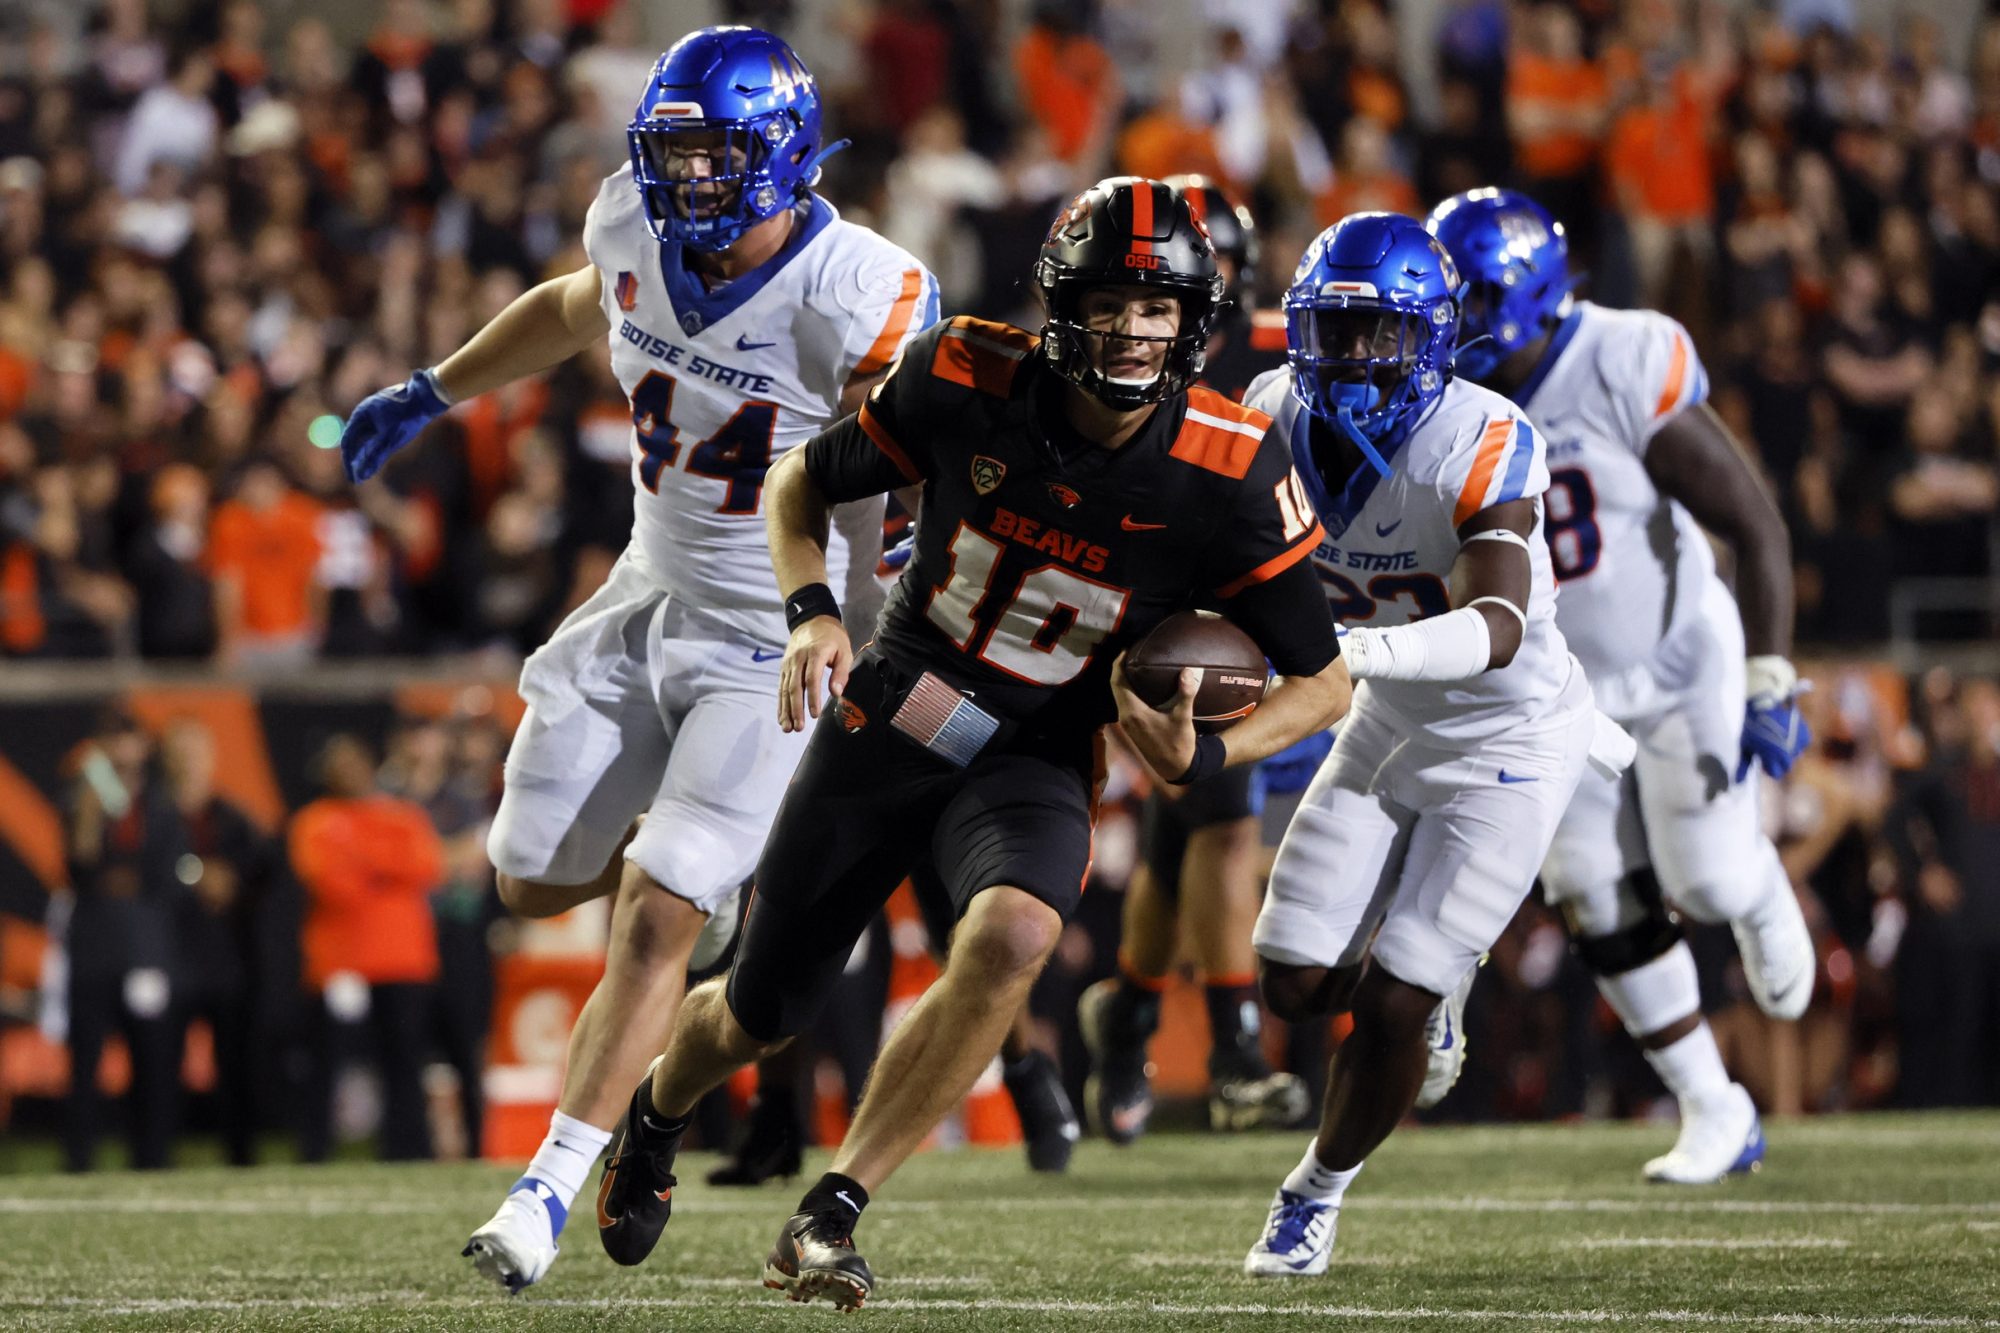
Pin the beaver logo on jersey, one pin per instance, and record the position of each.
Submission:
(852, 719)
(987, 474)
(1064, 496)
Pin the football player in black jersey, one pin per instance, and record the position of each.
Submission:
(1076, 489)
(1201, 849)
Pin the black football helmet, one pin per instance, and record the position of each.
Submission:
(1127, 231)
(1231, 230)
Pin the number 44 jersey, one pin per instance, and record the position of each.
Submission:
(1041, 555)
(1391, 543)
(722, 382)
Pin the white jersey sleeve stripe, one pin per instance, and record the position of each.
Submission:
(1493, 442)
(890, 340)
(1249, 428)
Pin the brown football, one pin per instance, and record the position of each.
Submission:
(1232, 666)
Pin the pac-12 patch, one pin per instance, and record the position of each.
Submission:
(987, 473)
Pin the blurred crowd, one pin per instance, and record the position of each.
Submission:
(216, 236)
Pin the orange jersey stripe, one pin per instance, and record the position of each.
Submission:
(1492, 444)
(981, 355)
(883, 350)
(1142, 218)
(1277, 564)
(1219, 434)
(1677, 369)
(875, 431)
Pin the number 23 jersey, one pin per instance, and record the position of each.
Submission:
(1392, 541)
(723, 382)
(1040, 555)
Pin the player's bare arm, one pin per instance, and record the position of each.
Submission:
(542, 327)
(796, 519)
(1694, 459)
(1492, 574)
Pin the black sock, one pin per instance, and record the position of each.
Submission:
(657, 1126)
(836, 1193)
(1134, 1011)
(1235, 1025)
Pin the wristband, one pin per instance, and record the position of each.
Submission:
(1210, 754)
(809, 602)
(432, 383)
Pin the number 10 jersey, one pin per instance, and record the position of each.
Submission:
(1041, 555)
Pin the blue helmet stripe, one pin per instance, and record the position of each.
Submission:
(1516, 481)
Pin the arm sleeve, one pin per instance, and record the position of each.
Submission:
(890, 306)
(883, 446)
(1506, 460)
(1289, 618)
(1270, 528)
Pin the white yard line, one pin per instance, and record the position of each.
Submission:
(413, 1303)
(1710, 1243)
(696, 1204)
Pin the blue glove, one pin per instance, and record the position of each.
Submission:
(386, 421)
(1774, 732)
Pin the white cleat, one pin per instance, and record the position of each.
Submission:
(1297, 1239)
(717, 932)
(1444, 1033)
(1715, 1142)
(516, 1248)
(1778, 958)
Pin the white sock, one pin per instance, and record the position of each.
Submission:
(1657, 994)
(1692, 1068)
(564, 1161)
(1318, 1182)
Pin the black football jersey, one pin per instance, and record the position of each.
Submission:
(1040, 555)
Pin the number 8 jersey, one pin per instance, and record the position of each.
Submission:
(722, 382)
(1634, 566)
(1391, 543)
(1041, 555)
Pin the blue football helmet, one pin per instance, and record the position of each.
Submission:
(1515, 258)
(1371, 321)
(726, 135)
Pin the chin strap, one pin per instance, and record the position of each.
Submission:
(1345, 416)
(810, 174)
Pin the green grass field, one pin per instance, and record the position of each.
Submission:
(1862, 1223)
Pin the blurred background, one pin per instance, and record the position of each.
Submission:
(222, 225)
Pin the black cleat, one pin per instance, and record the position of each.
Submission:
(636, 1195)
(814, 1256)
(1245, 1093)
(1118, 1095)
(772, 1148)
(1048, 1122)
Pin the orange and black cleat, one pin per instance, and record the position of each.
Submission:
(814, 1256)
(636, 1195)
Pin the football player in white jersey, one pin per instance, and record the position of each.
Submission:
(744, 317)
(1472, 724)
(1640, 464)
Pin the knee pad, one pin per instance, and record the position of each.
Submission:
(1634, 945)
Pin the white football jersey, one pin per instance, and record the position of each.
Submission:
(1633, 565)
(723, 382)
(1391, 543)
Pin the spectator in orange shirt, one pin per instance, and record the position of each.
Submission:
(1657, 158)
(1558, 102)
(1366, 178)
(369, 863)
(263, 549)
(1070, 86)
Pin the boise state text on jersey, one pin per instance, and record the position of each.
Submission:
(722, 382)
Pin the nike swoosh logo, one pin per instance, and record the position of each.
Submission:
(743, 346)
(842, 1196)
(759, 655)
(1511, 778)
(1130, 526)
(1383, 531)
(604, 1218)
